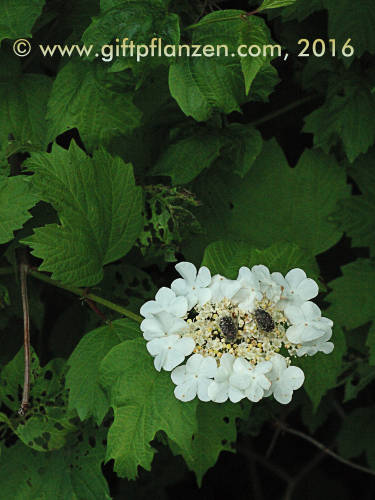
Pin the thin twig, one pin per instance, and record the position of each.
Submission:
(325, 449)
(277, 432)
(95, 308)
(82, 293)
(308, 468)
(78, 291)
(257, 487)
(252, 455)
(24, 268)
(285, 109)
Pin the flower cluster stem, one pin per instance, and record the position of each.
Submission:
(87, 295)
(78, 291)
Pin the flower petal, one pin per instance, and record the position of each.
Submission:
(294, 277)
(293, 377)
(187, 391)
(311, 311)
(173, 358)
(307, 289)
(193, 364)
(235, 395)
(178, 375)
(188, 271)
(185, 346)
(294, 314)
(208, 367)
(326, 347)
(203, 295)
(203, 277)
(178, 307)
(180, 287)
(150, 308)
(218, 392)
(254, 392)
(203, 389)
(165, 296)
(282, 394)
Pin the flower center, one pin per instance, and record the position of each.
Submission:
(222, 327)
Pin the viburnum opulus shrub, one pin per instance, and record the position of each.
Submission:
(187, 273)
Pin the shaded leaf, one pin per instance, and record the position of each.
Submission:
(99, 208)
(144, 403)
(82, 379)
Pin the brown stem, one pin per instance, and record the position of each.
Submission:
(324, 448)
(24, 268)
(94, 307)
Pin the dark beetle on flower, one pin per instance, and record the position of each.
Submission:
(264, 320)
(229, 327)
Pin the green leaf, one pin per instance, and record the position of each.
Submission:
(86, 395)
(99, 208)
(216, 433)
(71, 473)
(347, 115)
(23, 106)
(202, 85)
(352, 296)
(359, 380)
(244, 146)
(127, 285)
(143, 403)
(138, 21)
(18, 17)
(47, 424)
(274, 202)
(226, 257)
(186, 158)
(357, 24)
(356, 215)
(299, 10)
(370, 343)
(81, 98)
(274, 4)
(321, 371)
(254, 32)
(356, 435)
(16, 198)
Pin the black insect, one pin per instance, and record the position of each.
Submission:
(264, 320)
(192, 314)
(229, 327)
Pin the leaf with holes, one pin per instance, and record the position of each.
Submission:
(216, 433)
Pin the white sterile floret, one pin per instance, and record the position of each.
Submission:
(252, 381)
(307, 323)
(267, 285)
(193, 285)
(165, 301)
(170, 351)
(319, 345)
(249, 292)
(194, 378)
(222, 287)
(296, 288)
(284, 379)
(162, 325)
(221, 388)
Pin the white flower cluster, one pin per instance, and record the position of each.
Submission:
(240, 334)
